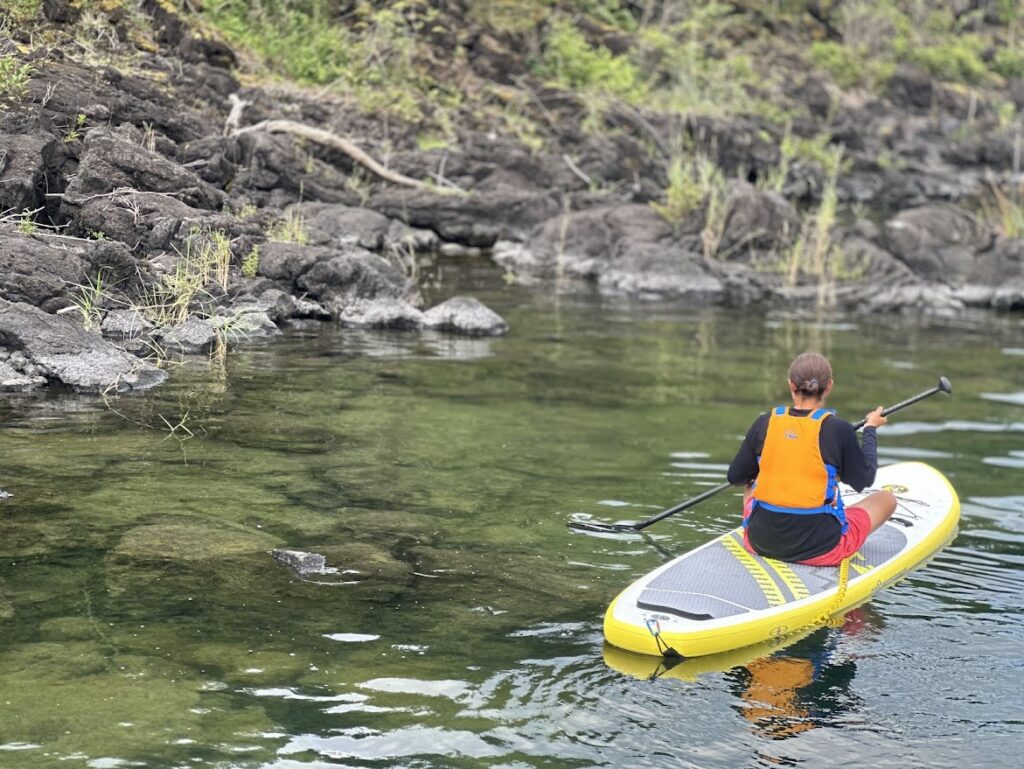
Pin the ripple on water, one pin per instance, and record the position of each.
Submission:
(1016, 399)
(920, 428)
(911, 452)
(1014, 460)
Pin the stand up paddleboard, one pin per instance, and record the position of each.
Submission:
(720, 597)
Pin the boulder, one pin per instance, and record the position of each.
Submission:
(756, 220)
(12, 380)
(111, 162)
(382, 313)
(272, 169)
(33, 271)
(341, 276)
(623, 249)
(124, 324)
(478, 219)
(911, 87)
(28, 166)
(196, 335)
(61, 349)
(465, 315)
(939, 243)
(331, 224)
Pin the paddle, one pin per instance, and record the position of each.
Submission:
(610, 528)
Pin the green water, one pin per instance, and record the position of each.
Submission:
(143, 622)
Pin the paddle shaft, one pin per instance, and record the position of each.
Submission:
(943, 387)
(681, 506)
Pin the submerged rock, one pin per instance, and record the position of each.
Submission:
(303, 563)
(61, 349)
(465, 315)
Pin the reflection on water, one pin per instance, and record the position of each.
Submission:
(143, 621)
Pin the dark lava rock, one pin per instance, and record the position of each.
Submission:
(465, 315)
(939, 243)
(384, 313)
(36, 272)
(479, 219)
(13, 380)
(623, 249)
(28, 169)
(112, 162)
(756, 220)
(124, 324)
(911, 87)
(61, 349)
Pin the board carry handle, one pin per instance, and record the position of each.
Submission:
(943, 386)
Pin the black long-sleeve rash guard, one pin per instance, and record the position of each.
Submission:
(799, 537)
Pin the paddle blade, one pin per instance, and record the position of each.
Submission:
(601, 528)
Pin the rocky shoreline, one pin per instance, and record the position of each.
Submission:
(143, 214)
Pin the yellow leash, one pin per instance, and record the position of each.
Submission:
(837, 602)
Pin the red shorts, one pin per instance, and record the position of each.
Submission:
(857, 530)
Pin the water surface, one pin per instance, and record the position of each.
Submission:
(143, 622)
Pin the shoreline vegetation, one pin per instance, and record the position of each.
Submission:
(177, 176)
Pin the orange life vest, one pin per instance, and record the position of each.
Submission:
(792, 476)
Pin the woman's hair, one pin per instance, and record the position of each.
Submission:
(810, 373)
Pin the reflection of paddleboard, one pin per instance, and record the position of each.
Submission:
(719, 597)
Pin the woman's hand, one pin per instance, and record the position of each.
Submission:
(875, 418)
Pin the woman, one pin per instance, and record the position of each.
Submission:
(791, 462)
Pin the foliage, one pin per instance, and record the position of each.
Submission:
(374, 55)
(27, 225)
(251, 263)
(14, 78)
(814, 253)
(574, 63)
(694, 68)
(851, 66)
(958, 59)
(1005, 211)
(290, 229)
(695, 183)
(87, 298)
(171, 300)
(1009, 62)
(688, 182)
(220, 258)
(17, 13)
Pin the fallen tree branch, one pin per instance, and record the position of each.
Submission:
(334, 141)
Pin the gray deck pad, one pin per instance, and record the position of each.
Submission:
(723, 579)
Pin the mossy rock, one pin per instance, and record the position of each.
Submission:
(195, 540)
(6, 605)
(73, 698)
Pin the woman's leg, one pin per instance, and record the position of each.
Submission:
(879, 506)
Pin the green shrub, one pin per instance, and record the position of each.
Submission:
(958, 59)
(14, 78)
(373, 56)
(845, 65)
(16, 13)
(1009, 62)
(574, 63)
